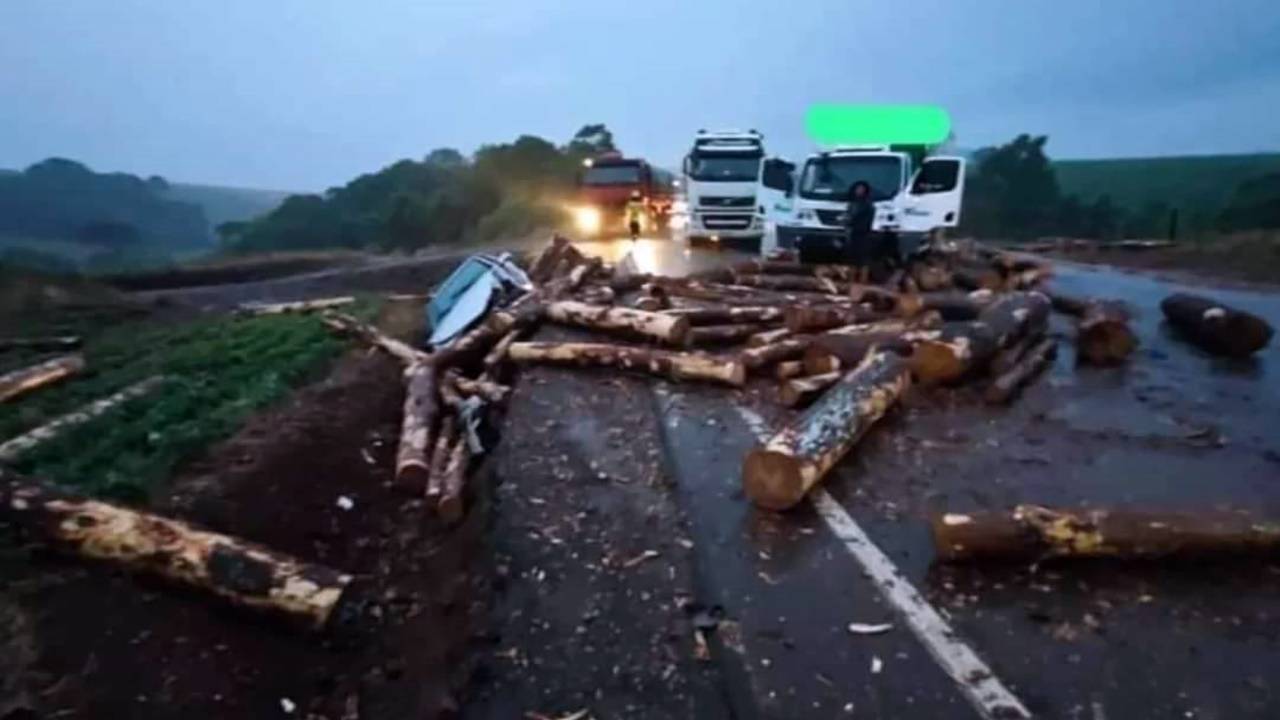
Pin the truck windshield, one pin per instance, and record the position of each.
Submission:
(612, 175)
(724, 168)
(830, 178)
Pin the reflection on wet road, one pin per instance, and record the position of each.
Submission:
(660, 255)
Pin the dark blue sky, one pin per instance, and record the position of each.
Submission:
(301, 95)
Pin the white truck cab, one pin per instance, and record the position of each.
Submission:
(721, 173)
(807, 203)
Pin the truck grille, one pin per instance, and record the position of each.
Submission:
(834, 218)
(726, 201)
(726, 222)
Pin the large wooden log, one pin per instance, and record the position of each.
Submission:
(479, 387)
(421, 408)
(1015, 315)
(977, 278)
(675, 365)
(453, 482)
(820, 317)
(1033, 532)
(951, 353)
(929, 277)
(957, 306)
(778, 474)
(761, 356)
(800, 391)
(1103, 335)
(1038, 357)
(12, 448)
(557, 255)
(789, 282)
(237, 571)
(347, 325)
(788, 369)
(721, 334)
(41, 344)
(768, 337)
(24, 380)
(445, 439)
(668, 329)
(727, 315)
(850, 344)
(1215, 327)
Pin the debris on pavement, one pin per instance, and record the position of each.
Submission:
(869, 629)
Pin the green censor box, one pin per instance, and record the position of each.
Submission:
(831, 124)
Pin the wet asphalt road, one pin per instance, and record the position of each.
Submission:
(1175, 428)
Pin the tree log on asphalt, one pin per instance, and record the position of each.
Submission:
(930, 277)
(789, 282)
(496, 357)
(727, 315)
(40, 344)
(301, 306)
(951, 353)
(957, 306)
(1005, 359)
(453, 482)
(237, 571)
(761, 356)
(1038, 357)
(24, 380)
(1103, 336)
(721, 334)
(805, 319)
(1015, 315)
(850, 344)
(486, 390)
(1027, 279)
(664, 363)
(559, 252)
(777, 474)
(1215, 327)
(668, 329)
(801, 390)
(789, 369)
(1032, 532)
(418, 419)
(444, 442)
(768, 337)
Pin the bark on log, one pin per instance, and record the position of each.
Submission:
(778, 474)
(237, 571)
(955, 351)
(453, 484)
(768, 337)
(886, 301)
(24, 380)
(494, 359)
(421, 406)
(598, 295)
(977, 279)
(789, 369)
(1027, 279)
(675, 365)
(721, 334)
(1015, 315)
(558, 254)
(1215, 327)
(487, 390)
(1006, 359)
(800, 391)
(40, 344)
(765, 355)
(850, 344)
(727, 315)
(1103, 336)
(301, 306)
(930, 277)
(663, 328)
(1033, 532)
(803, 319)
(1038, 357)
(347, 325)
(821, 363)
(958, 306)
(789, 282)
(12, 448)
(446, 438)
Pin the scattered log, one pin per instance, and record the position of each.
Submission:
(975, 279)
(955, 351)
(559, 252)
(1037, 358)
(727, 315)
(821, 363)
(768, 337)
(669, 329)
(1007, 358)
(778, 474)
(789, 369)
(1033, 532)
(800, 391)
(819, 317)
(1028, 278)
(446, 438)
(12, 448)
(493, 360)
(850, 344)
(244, 574)
(957, 306)
(1215, 327)
(764, 355)
(598, 295)
(929, 277)
(421, 406)
(301, 306)
(346, 325)
(1103, 336)
(721, 334)
(789, 282)
(33, 377)
(453, 483)
(41, 344)
(675, 365)
(1015, 315)
(485, 389)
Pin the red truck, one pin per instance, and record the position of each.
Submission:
(605, 185)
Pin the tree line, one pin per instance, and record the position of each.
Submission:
(1013, 192)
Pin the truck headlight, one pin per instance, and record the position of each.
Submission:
(587, 219)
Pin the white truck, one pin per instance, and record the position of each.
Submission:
(720, 178)
(805, 206)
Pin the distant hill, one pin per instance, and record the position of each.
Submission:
(1198, 184)
(226, 204)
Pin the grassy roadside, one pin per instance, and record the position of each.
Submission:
(219, 370)
(1252, 257)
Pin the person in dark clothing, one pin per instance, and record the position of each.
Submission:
(858, 218)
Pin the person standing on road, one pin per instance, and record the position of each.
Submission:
(858, 218)
(635, 214)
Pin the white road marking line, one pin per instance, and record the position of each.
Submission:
(12, 448)
(989, 697)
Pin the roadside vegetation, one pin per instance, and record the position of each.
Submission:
(218, 370)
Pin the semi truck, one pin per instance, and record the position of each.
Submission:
(916, 196)
(605, 185)
(720, 176)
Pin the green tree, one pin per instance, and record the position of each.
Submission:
(1254, 205)
(590, 141)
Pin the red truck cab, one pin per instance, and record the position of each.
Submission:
(605, 185)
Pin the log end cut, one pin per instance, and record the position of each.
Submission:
(773, 480)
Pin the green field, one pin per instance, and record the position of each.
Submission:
(1193, 183)
(218, 371)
